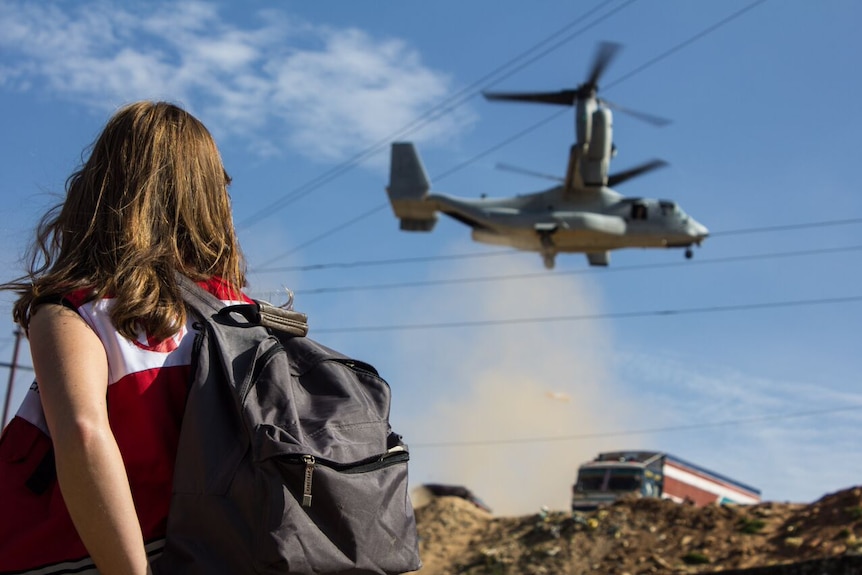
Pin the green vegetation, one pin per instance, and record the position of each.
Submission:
(695, 558)
(751, 526)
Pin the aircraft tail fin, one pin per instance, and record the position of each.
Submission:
(408, 189)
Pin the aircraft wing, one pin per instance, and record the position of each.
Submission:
(587, 222)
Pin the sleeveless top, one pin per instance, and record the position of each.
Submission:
(147, 387)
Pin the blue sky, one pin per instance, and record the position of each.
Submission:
(755, 376)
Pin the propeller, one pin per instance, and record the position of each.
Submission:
(643, 116)
(523, 171)
(605, 54)
(613, 179)
(620, 177)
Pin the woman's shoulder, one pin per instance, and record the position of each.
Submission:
(224, 291)
(72, 300)
(76, 299)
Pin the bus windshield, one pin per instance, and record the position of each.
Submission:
(610, 479)
(625, 479)
(590, 480)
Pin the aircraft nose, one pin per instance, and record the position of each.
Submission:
(697, 229)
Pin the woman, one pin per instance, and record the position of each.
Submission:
(86, 464)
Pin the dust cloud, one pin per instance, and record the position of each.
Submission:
(509, 392)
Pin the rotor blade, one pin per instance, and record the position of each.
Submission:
(643, 116)
(616, 179)
(517, 170)
(563, 97)
(605, 53)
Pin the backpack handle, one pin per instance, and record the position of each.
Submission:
(205, 304)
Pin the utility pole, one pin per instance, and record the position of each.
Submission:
(19, 333)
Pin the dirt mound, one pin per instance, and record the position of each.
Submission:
(637, 536)
(447, 526)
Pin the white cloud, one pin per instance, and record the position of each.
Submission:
(326, 92)
(347, 89)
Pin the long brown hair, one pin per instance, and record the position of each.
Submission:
(150, 200)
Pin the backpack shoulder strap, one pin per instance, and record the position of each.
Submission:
(199, 300)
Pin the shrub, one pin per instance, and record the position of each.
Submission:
(751, 526)
(695, 558)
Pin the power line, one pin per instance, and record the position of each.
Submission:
(19, 335)
(685, 427)
(436, 178)
(434, 113)
(339, 170)
(579, 271)
(317, 238)
(423, 259)
(383, 262)
(447, 106)
(16, 366)
(681, 45)
(786, 227)
(597, 316)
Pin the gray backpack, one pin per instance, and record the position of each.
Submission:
(286, 460)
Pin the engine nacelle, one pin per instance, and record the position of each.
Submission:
(596, 163)
(585, 108)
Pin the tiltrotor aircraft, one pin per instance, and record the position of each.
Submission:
(582, 215)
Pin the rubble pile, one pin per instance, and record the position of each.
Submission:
(637, 537)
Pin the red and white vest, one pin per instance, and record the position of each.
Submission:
(147, 386)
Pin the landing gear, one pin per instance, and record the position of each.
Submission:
(549, 253)
(688, 253)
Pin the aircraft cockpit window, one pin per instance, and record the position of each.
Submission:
(639, 211)
(667, 208)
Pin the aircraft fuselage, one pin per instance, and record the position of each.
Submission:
(600, 220)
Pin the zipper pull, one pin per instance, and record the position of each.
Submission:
(306, 485)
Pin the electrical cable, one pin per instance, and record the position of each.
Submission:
(595, 316)
(436, 178)
(564, 273)
(383, 262)
(683, 44)
(357, 159)
(597, 435)
(787, 227)
(423, 259)
(442, 108)
(6, 364)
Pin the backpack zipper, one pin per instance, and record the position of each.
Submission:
(352, 364)
(261, 362)
(356, 365)
(306, 483)
(392, 457)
